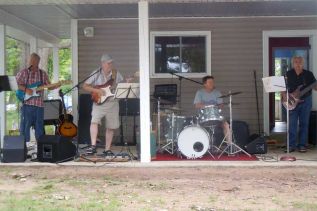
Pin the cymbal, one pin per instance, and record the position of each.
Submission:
(229, 94)
(172, 108)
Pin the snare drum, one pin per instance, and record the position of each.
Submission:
(193, 141)
(210, 113)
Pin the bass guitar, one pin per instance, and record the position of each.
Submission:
(100, 99)
(22, 96)
(66, 127)
(294, 97)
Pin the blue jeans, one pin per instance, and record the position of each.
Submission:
(299, 116)
(31, 116)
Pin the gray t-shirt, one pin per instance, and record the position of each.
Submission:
(208, 98)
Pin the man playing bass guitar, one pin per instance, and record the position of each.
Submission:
(297, 80)
(99, 85)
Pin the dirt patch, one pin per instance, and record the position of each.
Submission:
(204, 188)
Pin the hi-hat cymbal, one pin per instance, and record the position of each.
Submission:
(229, 94)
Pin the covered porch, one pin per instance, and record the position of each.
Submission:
(237, 40)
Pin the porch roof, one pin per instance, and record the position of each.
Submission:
(50, 19)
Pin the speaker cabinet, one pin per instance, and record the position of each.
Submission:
(53, 148)
(241, 132)
(84, 113)
(14, 149)
(312, 135)
(257, 146)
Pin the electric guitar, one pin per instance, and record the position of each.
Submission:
(294, 97)
(22, 96)
(66, 127)
(100, 99)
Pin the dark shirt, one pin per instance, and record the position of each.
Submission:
(304, 79)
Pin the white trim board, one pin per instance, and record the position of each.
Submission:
(312, 34)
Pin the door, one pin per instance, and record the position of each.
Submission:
(281, 51)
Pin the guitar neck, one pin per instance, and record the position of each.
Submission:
(307, 89)
(46, 86)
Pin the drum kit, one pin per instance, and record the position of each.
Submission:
(194, 136)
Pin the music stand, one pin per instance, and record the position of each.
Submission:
(127, 91)
(7, 83)
(278, 84)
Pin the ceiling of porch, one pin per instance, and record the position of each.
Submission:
(53, 17)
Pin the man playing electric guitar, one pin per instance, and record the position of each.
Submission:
(99, 85)
(297, 80)
(32, 110)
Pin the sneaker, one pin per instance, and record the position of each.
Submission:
(302, 149)
(290, 150)
(91, 150)
(108, 153)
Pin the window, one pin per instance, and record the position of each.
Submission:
(185, 53)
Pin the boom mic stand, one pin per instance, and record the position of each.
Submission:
(180, 85)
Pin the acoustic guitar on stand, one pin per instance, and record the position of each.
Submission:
(66, 128)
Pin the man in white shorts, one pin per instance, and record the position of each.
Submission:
(109, 109)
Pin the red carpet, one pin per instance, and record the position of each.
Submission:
(237, 157)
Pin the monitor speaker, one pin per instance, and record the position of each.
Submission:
(257, 146)
(14, 149)
(53, 148)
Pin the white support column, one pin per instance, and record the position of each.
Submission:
(144, 61)
(74, 46)
(55, 69)
(2, 72)
(33, 45)
(313, 64)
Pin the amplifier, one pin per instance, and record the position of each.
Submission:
(166, 92)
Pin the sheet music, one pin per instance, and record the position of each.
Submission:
(274, 84)
(123, 89)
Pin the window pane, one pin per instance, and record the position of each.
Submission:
(167, 54)
(180, 54)
(194, 54)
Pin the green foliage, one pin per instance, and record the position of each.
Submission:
(13, 56)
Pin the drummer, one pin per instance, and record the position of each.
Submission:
(209, 95)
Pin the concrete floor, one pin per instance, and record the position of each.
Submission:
(272, 158)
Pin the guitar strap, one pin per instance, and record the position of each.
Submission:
(114, 75)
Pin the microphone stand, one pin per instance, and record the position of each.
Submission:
(287, 157)
(61, 94)
(180, 85)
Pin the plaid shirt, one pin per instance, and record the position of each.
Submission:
(33, 77)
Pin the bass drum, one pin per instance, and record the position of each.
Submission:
(193, 142)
